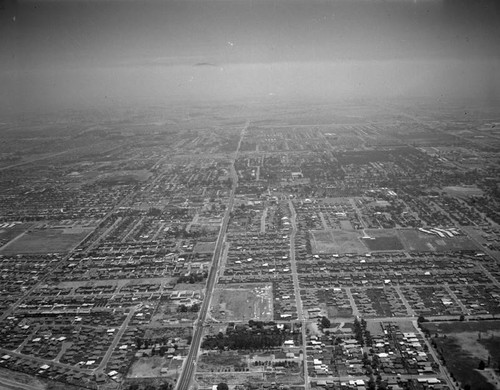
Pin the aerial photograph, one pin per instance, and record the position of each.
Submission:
(249, 194)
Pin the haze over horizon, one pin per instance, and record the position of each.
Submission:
(71, 54)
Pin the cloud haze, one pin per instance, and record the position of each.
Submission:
(57, 54)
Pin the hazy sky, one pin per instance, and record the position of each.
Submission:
(58, 54)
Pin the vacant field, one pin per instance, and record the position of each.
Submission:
(242, 304)
(383, 240)
(416, 241)
(46, 241)
(374, 328)
(216, 362)
(147, 367)
(337, 241)
(204, 247)
(462, 364)
(464, 344)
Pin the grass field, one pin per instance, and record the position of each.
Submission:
(337, 241)
(464, 191)
(464, 344)
(416, 241)
(46, 241)
(384, 240)
(234, 303)
(337, 311)
(463, 326)
(217, 361)
(11, 231)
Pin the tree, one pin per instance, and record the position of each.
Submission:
(371, 383)
(325, 322)
(222, 386)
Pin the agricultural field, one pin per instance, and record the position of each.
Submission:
(463, 345)
(47, 240)
(416, 241)
(336, 241)
(235, 303)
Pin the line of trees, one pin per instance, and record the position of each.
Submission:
(257, 335)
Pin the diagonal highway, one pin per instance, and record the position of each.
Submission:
(190, 363)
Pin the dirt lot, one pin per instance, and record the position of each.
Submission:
(15, 380)
(234, 303)
(337, 241)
